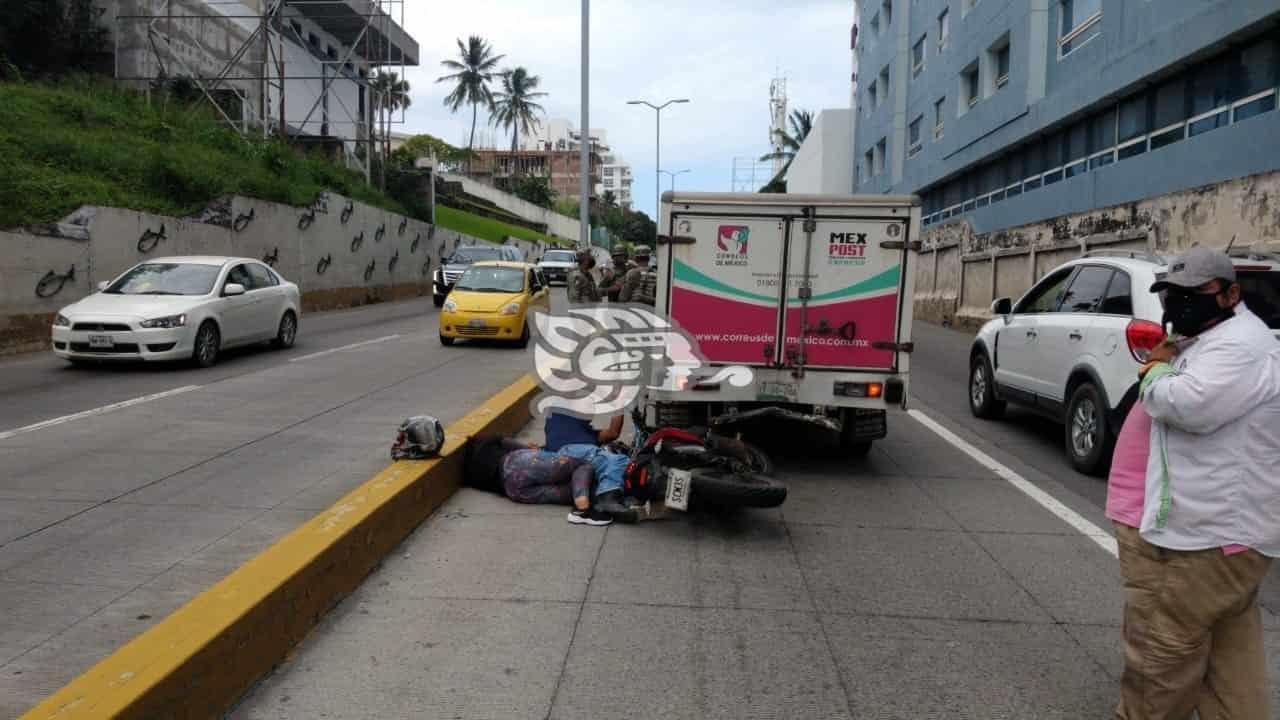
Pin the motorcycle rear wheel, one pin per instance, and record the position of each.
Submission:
(725, 489)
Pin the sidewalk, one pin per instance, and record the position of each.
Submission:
(911, 584)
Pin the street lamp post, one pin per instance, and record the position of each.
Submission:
(673, 176)
(584, 187)
(657, 163)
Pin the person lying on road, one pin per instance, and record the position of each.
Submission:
(527, 474)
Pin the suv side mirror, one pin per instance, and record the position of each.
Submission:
(232, 289)
(103, 285)
(1002, 306)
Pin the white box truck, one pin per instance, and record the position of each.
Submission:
(812, 292)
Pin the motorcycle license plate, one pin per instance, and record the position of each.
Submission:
(679, 483)
(101, 341)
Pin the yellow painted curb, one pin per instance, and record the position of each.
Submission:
(198, 661)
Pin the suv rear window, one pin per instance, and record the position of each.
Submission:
(1262, 295)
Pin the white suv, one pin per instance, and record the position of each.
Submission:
(1071, 346)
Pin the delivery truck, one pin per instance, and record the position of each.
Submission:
(812, 293)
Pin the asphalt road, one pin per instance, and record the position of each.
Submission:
(109, 522)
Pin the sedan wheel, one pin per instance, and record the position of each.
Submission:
(288, 331)
(208, 339)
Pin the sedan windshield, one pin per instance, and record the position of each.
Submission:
(492, 279)
(564, 256)
(468, 255)
(166, 279)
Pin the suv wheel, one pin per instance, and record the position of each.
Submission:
(982, 390)
(1088, 431)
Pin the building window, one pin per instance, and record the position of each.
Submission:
(887, 11)
(314, 40)
(871, 96)
(939, 116)
(875, 24)
(1079, 21)
(881, 149)
(884, 84)
(966, 6)
(944, 29)
(331, 52)
(970, 92)
(869, 165)
(1000, 63)
(917, 56)
(913, 136)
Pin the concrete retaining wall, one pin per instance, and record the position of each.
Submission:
(960, 272)
(341, 253)
(556, 223)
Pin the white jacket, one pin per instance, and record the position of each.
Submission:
(1217, 431)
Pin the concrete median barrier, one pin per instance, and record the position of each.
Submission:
(198, 661)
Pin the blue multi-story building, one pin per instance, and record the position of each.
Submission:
(1009, 112)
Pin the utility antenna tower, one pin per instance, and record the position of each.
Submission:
(777, 120)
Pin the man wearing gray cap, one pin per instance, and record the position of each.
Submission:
(1211, 518)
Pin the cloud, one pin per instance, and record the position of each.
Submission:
(720, 55)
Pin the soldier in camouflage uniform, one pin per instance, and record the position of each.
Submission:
(619, 271)
(640, 284)
(582, 287)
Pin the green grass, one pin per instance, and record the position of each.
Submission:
(488, 228)
(77, 143)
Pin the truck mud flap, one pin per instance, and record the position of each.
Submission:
(865, 424)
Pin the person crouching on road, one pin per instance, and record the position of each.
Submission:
(527, 474)
(1192, 624)
(575, 437)
(582, 287)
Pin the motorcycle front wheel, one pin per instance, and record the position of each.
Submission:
(726, 489)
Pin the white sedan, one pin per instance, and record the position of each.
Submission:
(180, 308)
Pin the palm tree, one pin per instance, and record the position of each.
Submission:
(472, 73)
(514, 108)
(801, 126)
(610, 199)
(390, 93)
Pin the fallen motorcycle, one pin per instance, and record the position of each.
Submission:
(697, 468)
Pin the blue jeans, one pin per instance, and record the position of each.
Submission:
(609, 467)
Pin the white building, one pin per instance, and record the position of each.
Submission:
(311, 72)
(560, 134)
(824, 163)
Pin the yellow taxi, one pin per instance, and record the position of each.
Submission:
(491, 301)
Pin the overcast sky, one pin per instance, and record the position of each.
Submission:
(719, 54)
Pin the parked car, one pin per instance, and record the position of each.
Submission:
(178, 308)
(492, 300)
(557, 264)
(451, 269)
(1070, 348)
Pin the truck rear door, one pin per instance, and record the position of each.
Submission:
(857, 268)
(724, 286)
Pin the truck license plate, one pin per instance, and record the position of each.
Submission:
(475, 322)
(773, 390)
(101, 341)
(679, 483)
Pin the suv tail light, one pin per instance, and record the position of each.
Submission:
(1143, 336)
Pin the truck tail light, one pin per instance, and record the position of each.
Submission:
(1143, 336)
(858, 390)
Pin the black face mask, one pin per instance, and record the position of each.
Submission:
(1189, 313)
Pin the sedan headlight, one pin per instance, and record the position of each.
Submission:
(171, 321)
(450, 305)
(511, 309)
(61, 320)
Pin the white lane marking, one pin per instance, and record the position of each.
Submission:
(344, 347)
(97, 411)
(1104, 539)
